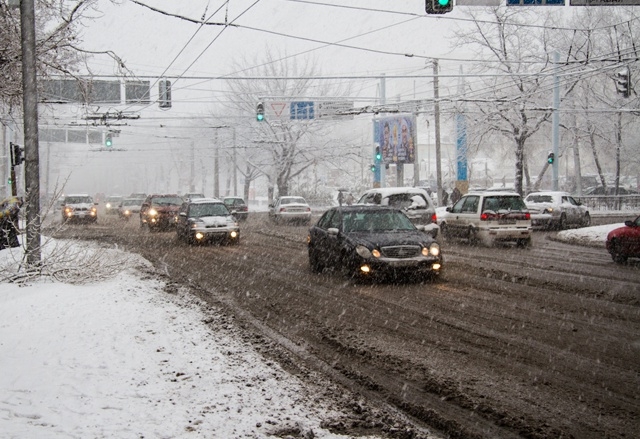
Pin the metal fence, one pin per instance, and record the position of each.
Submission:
(611, 202)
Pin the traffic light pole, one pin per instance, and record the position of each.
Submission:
(556, 118)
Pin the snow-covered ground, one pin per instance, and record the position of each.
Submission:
(123, 358)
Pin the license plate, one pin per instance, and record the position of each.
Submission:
(506, 221)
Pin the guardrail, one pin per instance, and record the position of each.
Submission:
(611, 202)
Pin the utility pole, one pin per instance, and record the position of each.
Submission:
(30, 117)
(436, 115)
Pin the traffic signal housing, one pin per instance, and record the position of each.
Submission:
(108, 140)
(438, 6)
(260, 112)
(378, 154)
(623, 82)
(16, 154)
(373, 167)
(164, 93)
(551, 158)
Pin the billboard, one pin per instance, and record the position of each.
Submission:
(396, 136)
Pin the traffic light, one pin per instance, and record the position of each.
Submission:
(260, 112)
(378, 154)
(623, 82)
(550, 158)
(108, 140)
(373, 168)
(16, 154)
(438, 6)
(164, 93)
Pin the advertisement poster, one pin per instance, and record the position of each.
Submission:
(396, 136)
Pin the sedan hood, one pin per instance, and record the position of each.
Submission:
(391, 238)
(215, 221)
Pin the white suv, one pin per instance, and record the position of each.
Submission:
(488, 217)
(413, 201)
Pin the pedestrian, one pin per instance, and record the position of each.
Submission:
(9, 222)
(340, 197)
(445, 198)
(455, 195)
(350, 199)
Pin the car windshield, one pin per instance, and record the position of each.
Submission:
(375, 221)
(131, 202)
(540, 199)
(167, 201)
(498, 203)
(293, 200)
(210, 209)
(78, 200)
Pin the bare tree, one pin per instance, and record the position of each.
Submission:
(287, 147)
(514, 102)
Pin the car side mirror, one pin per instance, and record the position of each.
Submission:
(183, 214)
(448, 208)
(333, 231)
(629, 223)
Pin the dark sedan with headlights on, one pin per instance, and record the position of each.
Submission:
(366, 241)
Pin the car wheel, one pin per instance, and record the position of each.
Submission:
(524, 243)
(314, 262)
(473, 236)
(563, 222)
(586, 221)
(616, 254)
(444, 230)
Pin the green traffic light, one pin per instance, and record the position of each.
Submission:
(444, 3)
(260, 117)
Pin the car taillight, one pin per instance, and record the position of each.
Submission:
(434, 219)
(283, 209)
(527, 216)
(489, 216)
(308, 209)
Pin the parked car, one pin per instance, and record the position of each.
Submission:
(160, 211)
(207, 220)
(373, 241)
(111, 204)
(130, 207)
(414, 202)
(624, 242)
(237, 207)
(611, 190)
(140, 195)
(488, 217)
(553, 209)
(290, 209)
(80, 208)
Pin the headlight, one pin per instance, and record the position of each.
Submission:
(152, 212)
(363, 251)
(548, 210)
(433, 250)
(108, 205)
(127, 212)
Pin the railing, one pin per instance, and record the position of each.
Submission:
(611, 202)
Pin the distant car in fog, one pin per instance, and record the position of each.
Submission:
(79, 208)
(237, 207)
(111, 204)
(130, 207)
(290, 209)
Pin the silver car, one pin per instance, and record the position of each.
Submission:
(290, 209)
(554, 209)
(206, 220)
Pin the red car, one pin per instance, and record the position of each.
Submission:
(160, 211)
(624, 242)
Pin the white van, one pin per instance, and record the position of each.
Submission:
(413, 201)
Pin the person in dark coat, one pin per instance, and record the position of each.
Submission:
(9, 222)
(455, 195)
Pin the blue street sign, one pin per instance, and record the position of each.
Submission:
(535, 2)
(302, 110)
